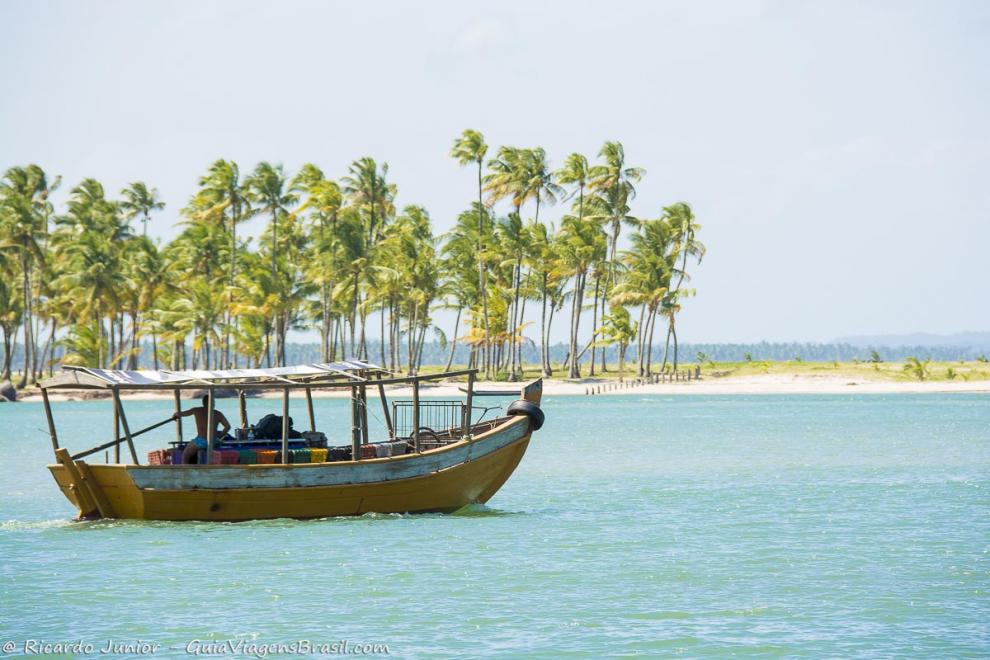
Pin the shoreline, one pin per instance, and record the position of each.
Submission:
(739, 385)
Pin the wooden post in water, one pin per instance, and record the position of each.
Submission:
(178, 420)
(242, 404)
(211, 427)
(468, 402)
(285, 426)
(127, 429)
(415, 415)
(355, 430)
(51, 420)
(309, 409)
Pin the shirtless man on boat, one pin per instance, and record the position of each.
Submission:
(189, 454)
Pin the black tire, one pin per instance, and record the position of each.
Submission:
(531, 410)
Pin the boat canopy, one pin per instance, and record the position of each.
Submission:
(322, 373)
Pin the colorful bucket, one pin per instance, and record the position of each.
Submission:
(318, 455)
(247, 456)
(267, 456)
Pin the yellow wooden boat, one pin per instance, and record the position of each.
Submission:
(446, 468)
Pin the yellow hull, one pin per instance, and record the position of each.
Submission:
(123, 491)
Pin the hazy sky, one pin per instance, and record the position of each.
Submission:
(837, 154)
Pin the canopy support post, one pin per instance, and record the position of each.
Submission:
(309, 409)
(242, 402)
(51, 420)
(116, 435)
(469, 399)
(388, 417)
(364, 414)
(211, 427)
(127, 429)
(355, 430)
(415, 415)
(178, 418)
(285, 426)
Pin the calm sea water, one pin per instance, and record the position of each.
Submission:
(797, 525)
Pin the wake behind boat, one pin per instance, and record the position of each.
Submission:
(436, 457)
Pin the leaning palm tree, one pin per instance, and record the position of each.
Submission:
(139, 202)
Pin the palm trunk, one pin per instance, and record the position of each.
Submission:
(575, 325)
(640, 338)
(27, 320)
(453, 341)
(666, 346)
(649, 347)
(594, 325)
(673, 331)
(543, 328)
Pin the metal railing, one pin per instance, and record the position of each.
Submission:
(444, 418)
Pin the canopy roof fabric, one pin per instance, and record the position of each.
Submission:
(87, 377)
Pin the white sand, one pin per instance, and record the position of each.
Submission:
(768, 384)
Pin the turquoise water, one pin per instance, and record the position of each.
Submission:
(778, 525)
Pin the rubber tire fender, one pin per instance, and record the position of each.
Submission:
(530, 409)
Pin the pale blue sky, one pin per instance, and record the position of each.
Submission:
(837, 154)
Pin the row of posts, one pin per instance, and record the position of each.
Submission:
(683, 375)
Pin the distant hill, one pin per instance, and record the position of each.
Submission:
(974, 340)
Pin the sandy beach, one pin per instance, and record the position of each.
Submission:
(747, 385)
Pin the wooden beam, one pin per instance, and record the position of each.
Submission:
(99, 497)
(178, 420)
(242, 403)
(363, 389)
(285, 426)
(87, 506)
(415, 415)
(127, 429)
(51, 420)
(116, 435)
(388, 417)
(309, 409)
(355, 428)
(211, 427)
(468, 412)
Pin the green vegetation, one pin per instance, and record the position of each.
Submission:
(80, 285)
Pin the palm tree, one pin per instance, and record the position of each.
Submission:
(684, 229)
(470, 148)
(222, 192)
(619, 329)
(579, 245)
(613, 182)
(267, 187)
(324, 202)
(139, 201)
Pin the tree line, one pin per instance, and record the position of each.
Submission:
(86, 285)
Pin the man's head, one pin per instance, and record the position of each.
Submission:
(206, 400)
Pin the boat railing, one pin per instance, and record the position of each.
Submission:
(439, 417)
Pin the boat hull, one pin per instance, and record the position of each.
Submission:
(441, 480)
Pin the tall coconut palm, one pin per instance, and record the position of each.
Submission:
(267, 188)
(579, 245)
(139, 202)
(323, 203)
(684, 231)
(612, 181)
(222, 191)
(470, 148)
